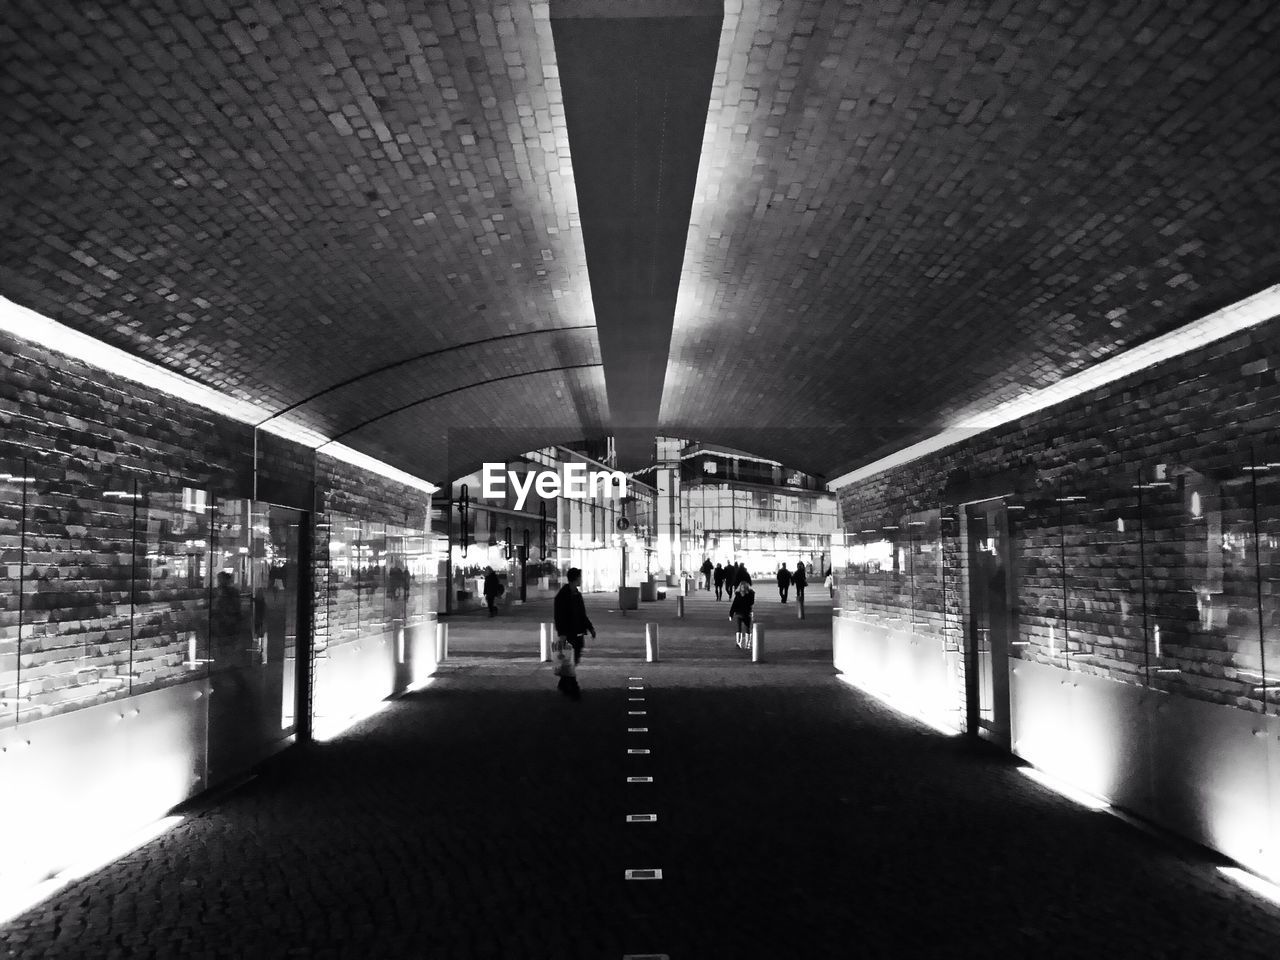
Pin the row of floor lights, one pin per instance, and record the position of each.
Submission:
(637, 713)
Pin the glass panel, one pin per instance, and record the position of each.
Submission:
(345, 547)
(76, 625)
(1105, 608)
(171, 588)
(275, 606)
(1267, 491)
(1202, 583)
(13, 482)
(984, 551)
(371, 554)
(1035, 533)
(924, 539)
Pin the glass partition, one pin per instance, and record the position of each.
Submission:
(1105, 610)
(1035, 520)
(76, 614)
(171, 587)
(923, 534)
(13, 485)
(1202, 582)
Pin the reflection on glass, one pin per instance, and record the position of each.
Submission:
(1035, 528)
(75, 646)
(171, 587)
(1202, 581)
(1105, 609)
(1266, 685)
(13, 484)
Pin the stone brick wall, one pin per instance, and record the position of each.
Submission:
(104, 561)
(1144, 520)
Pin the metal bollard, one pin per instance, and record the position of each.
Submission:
(546, 632)
(757, 642)
(799, 608)
(442, 641)
(651, 643)
(680, 607)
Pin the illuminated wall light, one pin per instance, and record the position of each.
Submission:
(1157, 638)
(116, 848)
(1253, 883)
(327, 728)
(1086, 800)
(1246, 313)
(33, 327)
(933, 723)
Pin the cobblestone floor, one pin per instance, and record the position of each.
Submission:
(797, 818)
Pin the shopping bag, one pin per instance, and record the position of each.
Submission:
(564, 666)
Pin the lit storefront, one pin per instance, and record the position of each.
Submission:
(732, 507)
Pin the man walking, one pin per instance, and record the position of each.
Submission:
(799, 581)
(571, 625)
(784, 581)
(706, 569)
(718, 576)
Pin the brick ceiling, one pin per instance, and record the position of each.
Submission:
(899, 210)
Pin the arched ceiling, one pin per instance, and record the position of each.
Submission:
(812, 230)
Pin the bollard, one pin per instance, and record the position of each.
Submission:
(442, 641)
(651, 643)
(757, 642)
(545, 633)
(680, 607)
(799, 608)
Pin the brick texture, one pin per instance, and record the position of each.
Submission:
(1158, 496)
(103, 574)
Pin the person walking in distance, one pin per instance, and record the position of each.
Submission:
(784, 581)
(572, 625)
(717, 577)
(799, 582)
(706, 572)
(492, 590)
(740, 612)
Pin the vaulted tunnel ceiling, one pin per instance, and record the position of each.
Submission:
(895, 210)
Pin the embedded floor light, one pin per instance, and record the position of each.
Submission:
(327, 728)
(1253, 883)
(1086, 800)
(932, 723)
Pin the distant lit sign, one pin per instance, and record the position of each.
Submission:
(577, 484)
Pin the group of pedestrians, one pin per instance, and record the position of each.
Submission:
(798, 579)
(725, 578)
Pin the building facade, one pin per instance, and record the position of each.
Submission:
(733, 507)
(531, 541)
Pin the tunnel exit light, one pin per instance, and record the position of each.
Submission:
(1241, 315)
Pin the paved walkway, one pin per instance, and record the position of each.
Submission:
(797, 818)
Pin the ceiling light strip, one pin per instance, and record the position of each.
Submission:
(1239, 316)
(35, 328)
